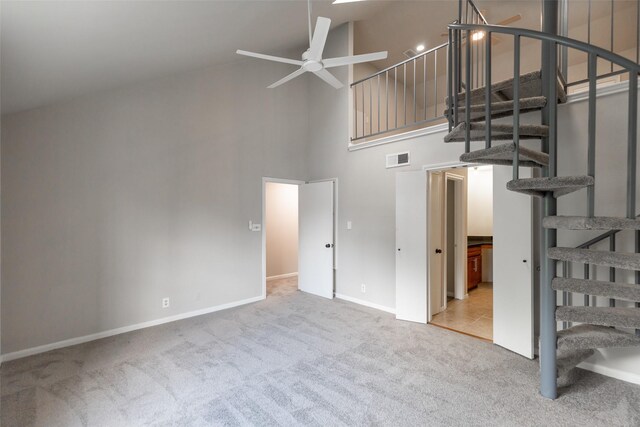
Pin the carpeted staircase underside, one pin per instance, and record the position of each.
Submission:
(627, 261)
(560, 185)
(593, 223)
(530, 87)
(503, 155)
(593, 336)
(499, 132)
(501, 108)
(621, 317)
(624, 291)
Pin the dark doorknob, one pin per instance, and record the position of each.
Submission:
(328, 245)
(438, 251)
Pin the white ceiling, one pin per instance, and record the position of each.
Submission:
(56, 50)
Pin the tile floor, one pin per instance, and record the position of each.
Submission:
(472, 316)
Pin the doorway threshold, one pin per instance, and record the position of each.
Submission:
(462, 332)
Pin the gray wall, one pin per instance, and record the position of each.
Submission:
(118, 199)
(366, 190)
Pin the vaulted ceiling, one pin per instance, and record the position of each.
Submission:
(55, 50)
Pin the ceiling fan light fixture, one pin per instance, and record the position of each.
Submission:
(312, 60)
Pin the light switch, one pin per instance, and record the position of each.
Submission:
(349, 226)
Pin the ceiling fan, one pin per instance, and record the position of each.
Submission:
(494, 37)
(312, 60)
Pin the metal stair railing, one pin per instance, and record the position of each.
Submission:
(610, 11)
(390, 101)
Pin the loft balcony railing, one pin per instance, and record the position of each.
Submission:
(410, 95)
(613, 25)
(405, 96)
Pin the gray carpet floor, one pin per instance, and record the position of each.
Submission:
(296, 359)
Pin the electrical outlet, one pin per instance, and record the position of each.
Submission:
(363, 288)
(165, 302)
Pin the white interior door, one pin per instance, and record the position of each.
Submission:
(411, 246)
(315, 235)
(459, 249)
(512, 265)
(437, 293)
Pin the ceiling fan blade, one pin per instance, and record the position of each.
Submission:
(269, 57)
(287, 78)
(329, 78)
(319, 38)
(354, 59)
(510, 20)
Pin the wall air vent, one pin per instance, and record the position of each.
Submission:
(397, 160)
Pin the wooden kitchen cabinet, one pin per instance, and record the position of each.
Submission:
(474, 266)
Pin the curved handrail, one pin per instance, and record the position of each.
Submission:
(585, 47)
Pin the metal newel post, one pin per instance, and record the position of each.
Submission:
(548, 326)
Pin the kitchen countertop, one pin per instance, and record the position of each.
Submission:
(479, 241)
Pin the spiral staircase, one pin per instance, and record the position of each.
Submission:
(473, 117)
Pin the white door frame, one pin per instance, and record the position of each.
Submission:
(428, 169)
(264, 224)
(264, 228)
(460, 290)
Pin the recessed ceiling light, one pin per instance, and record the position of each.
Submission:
(345, 1)
(420, 47)
(478, 35)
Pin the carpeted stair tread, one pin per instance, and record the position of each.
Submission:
(587, 336)
(499, 132)
(568, 359)
(503, 155)
(587, 223)
(530, 86)
(501, 108)
(558, 185)
(623, 291)
(621, 317)
(627, 261)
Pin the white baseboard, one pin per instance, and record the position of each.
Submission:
(611, 372)
(282, 276)
(92, 337)
(366, 303)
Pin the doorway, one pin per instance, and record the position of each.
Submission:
(281, 231)
(461, 250)
(513, 263)
(298, 237)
